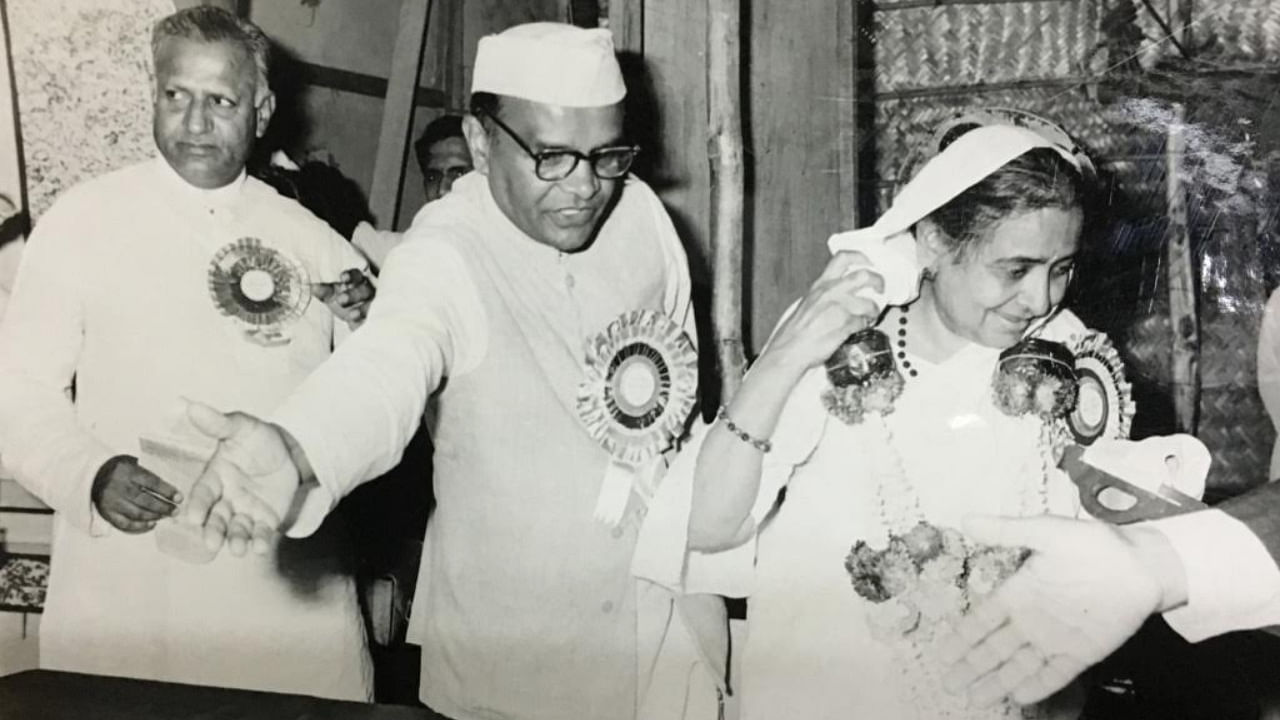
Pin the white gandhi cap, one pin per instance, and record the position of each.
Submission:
(550, 63)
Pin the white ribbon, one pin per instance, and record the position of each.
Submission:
(619, 480)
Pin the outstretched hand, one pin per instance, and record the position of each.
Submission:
(1086, 588)
(248, 485)
(349, 298)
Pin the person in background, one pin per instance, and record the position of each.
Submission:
(179, 277)
(526, 607)
(444, 157)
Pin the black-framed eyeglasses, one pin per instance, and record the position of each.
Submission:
(608, 163)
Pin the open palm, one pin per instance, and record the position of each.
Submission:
(248, 485)
(1081, 594)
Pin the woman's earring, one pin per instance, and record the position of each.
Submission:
(928, 273)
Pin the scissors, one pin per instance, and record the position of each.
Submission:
(1127, 503)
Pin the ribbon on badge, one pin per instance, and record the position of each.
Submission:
(640, 386)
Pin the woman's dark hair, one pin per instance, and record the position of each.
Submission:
(1039, 178)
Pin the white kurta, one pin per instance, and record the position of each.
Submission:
(525, 607)
(114, 291)
(809, 652)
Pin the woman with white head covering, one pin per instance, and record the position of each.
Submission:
(896, 435)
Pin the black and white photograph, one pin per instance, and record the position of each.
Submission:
(640, 359)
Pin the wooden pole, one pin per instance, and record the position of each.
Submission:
(1186, 24)
(848, 21)
(397, 112)
(725, 151)
(1184, 356)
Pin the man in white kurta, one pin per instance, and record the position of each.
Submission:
(525, 606)
(114, 296)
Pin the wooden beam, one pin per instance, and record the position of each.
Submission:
(362, 84)
(728, 203)
(451, 55)
(626, 21)
(1182, 289)
(397, 112)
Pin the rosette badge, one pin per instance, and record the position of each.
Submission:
(640, 385)
(1105, 406)
(259, 287)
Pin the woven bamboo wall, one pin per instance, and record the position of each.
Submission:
(1045, 56)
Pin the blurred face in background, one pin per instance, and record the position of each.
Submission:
(445, 161)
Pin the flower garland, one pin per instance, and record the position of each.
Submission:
(923, 576)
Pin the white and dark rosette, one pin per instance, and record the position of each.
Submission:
(640, 386)
(259, 287)
(1104, 401)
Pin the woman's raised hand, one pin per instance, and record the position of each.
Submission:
(835, 307)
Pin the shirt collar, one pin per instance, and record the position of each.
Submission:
(216, 198)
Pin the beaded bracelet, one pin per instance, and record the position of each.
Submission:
(763, 446)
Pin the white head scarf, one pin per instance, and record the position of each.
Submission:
(889, 244)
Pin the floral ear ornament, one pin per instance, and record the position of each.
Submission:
(640, 386)
(1035, 377)
(863, 376)
(260, 288)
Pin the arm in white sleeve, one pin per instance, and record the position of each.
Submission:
(375, 244)
(662, 551)
(1233, 582)
(41, 337)
(355, 414)
(677, 300)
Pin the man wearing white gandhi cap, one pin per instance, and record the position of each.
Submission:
(525, 604)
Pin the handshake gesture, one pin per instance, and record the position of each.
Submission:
(248, 486)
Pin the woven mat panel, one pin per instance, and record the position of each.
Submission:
(902, 124)
(967, 44)
(1239, 435)
(1224, 31)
